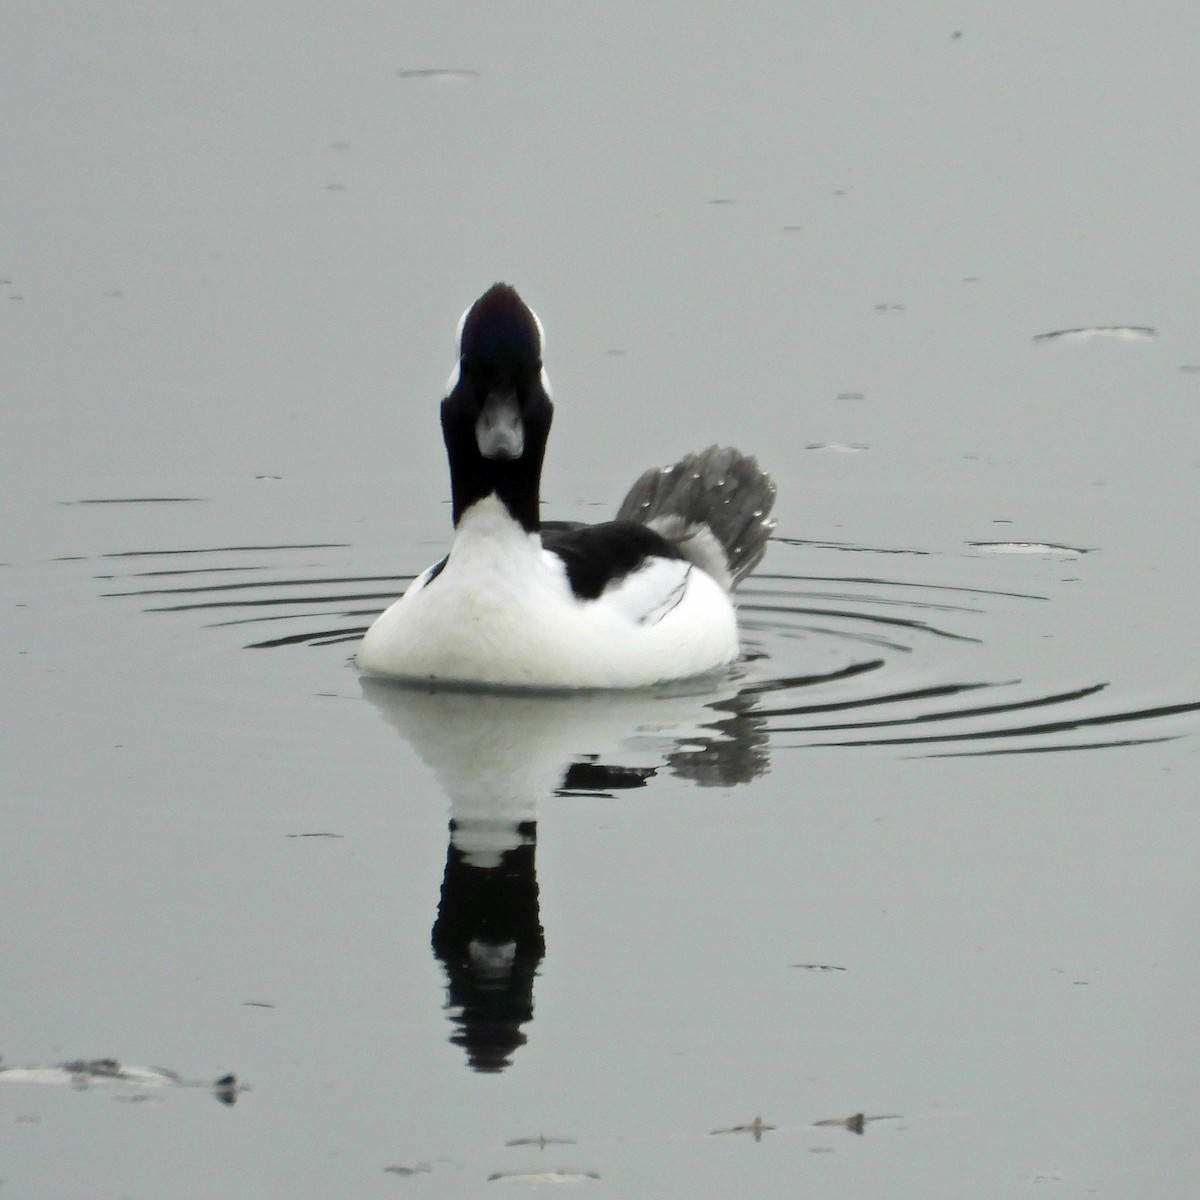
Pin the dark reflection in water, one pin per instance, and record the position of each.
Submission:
(484, 751)
(488, 937)
(497, 756)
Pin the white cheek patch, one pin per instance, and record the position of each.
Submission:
(452, 382)
(543, 378)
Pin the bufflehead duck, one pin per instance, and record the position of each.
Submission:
(521, 602)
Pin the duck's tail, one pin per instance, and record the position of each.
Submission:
(713, 506)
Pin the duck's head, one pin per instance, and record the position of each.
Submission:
(496, 416)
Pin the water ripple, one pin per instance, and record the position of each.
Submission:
(815, 645)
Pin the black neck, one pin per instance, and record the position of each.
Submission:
(515, 482)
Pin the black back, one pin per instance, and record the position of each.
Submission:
(598, 555)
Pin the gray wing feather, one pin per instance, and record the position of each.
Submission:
(714, 506)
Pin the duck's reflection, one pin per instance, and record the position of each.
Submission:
(488, 936)
(496, 756)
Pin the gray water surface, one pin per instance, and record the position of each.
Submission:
(926, 854)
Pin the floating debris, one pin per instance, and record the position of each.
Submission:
(138, 500)
(85, 1073)
(816, 967)
(542, 1176)
(420, 1169)
(1028, 548)
(1124, 333)
(756, 1127)
(856, 1122)
(541, 1141)
(256, 1004)
(440, 74)
(318, 835)
(837, 447)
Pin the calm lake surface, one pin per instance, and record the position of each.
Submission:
(927, 854)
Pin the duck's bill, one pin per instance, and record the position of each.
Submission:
(500, 431)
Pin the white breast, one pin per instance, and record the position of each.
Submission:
(501, 612)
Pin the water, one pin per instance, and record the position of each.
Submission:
(926, 854)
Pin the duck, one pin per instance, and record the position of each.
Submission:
(522, 603)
